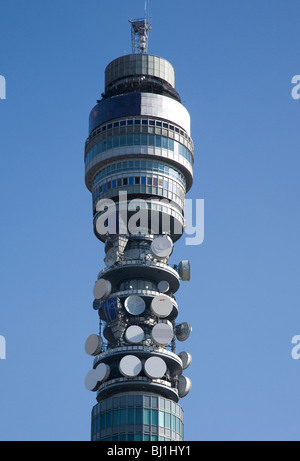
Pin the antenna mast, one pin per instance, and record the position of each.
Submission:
(140, 32)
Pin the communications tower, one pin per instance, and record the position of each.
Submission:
(138, 167)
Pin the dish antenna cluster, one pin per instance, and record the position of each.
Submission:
(140, 32)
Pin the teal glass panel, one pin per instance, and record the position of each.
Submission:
(122, 141)
(154, 417)
(151, 141)
(138, 416)
(131, 416)
(138, 437)
(174, 422)
(164, 142)
(94, 430)
(177, 425)
(108, 418)
(146, 416)
(153, 437)
(102, 421)
(144, 141)
(181, 428)
(115, 421)
(168, 420)
(137, 139)
(122, 416)
(161, 418)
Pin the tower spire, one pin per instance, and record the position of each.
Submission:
(140, 32)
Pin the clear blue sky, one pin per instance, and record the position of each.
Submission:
(234, 62)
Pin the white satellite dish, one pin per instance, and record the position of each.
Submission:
(184, 386)
(186, 359)
(162, 334)
(130, 366)
(161, 306)
(135, 305)
(93, 345)
(111, 257)
(163, 286)
(184, 270)
(102, 289)
(134, 334)
(102, 372)
(183, 331)
(155, 367)
(91, 382)
(162, 247)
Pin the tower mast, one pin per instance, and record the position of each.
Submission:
(140, 32)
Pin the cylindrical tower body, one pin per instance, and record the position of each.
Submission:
(138, 167)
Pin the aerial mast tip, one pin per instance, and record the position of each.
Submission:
(140, 32)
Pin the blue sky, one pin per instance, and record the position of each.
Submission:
(234, 62)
